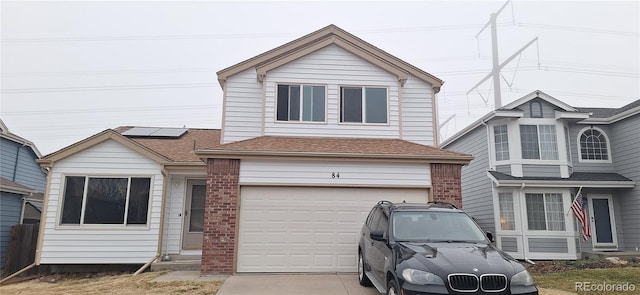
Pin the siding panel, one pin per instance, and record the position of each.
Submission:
(509, 244)
(300, 173)
(541, 170)
(548, 245)
(10, 209)
(90, 244)
(417, 112)
(243, 107)
(334, 67)
(477, 198)
(626, 151)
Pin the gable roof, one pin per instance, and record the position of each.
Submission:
(334, 147)
(5, 133)
(9, 186)
(162, 150)
(540, 95)
(511, 110)
(326, 36)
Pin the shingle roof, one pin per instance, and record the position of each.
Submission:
(179, 149)
(576, 176)
(609, 112)
(336, 147)
(11, 186)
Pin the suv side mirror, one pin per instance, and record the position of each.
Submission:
(377, 235)
(490, 236)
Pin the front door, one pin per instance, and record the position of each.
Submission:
(603, 223)
(194, 214)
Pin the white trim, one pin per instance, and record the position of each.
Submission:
(541, 95)
(606, 137)
(612, 222)
(570, 115)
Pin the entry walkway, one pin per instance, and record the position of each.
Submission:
(299, 284)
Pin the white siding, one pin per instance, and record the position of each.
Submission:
(242, 107)
(309, 173)
(417, 112)
(334, 67)
(92, 245)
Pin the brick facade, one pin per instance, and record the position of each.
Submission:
(446, 183)
(220, 216)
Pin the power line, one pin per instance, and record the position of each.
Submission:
(107, 88)
(578, 29)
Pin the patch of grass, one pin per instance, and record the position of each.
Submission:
(566, 280)
(125, 284)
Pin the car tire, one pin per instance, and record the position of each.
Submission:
(392, 289)
(362, 277)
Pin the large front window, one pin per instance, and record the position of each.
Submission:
(539, 142)
(301, 103)
(363, 105)
(545, 211)
(105, 200)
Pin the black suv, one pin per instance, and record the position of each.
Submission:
(434, 248)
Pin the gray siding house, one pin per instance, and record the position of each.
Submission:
(22, 184)
(533, 156)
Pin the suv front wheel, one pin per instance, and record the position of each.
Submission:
(391, 288)
(362, 277)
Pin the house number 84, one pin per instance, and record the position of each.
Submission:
(335, 174)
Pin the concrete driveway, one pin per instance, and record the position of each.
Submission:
(298, 284)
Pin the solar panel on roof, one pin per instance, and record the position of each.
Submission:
(169, 132)
(155, 132)
(140, 131)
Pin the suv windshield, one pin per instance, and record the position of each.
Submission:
(429, 226)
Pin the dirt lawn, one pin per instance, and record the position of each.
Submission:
(125, 284)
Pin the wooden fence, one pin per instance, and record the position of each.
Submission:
(22, 247)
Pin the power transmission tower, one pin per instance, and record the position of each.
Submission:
(497, 66)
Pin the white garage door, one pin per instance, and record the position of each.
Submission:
(307, 229)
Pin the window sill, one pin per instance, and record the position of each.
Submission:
(105, 227)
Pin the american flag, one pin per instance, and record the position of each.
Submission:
(581, 214)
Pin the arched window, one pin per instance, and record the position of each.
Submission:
(593, 145)
(535, 109)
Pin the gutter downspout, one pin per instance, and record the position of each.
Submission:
(524, 253)
(161, 230)
(18, 272)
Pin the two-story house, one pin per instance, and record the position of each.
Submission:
(314, 133)
(533, 156)
(22, 183)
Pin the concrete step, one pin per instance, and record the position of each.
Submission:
(193, 265)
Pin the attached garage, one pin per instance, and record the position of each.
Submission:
(307, 229)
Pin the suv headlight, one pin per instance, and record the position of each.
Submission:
(522, 278)
(419, 277)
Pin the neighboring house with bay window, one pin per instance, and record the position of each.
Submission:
(531, 158)
(314, 133)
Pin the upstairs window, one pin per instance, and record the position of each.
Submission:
(539, 142)
(304, 103)
(502, 142)
(105, 200)
(363, 105)
(593, 145)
